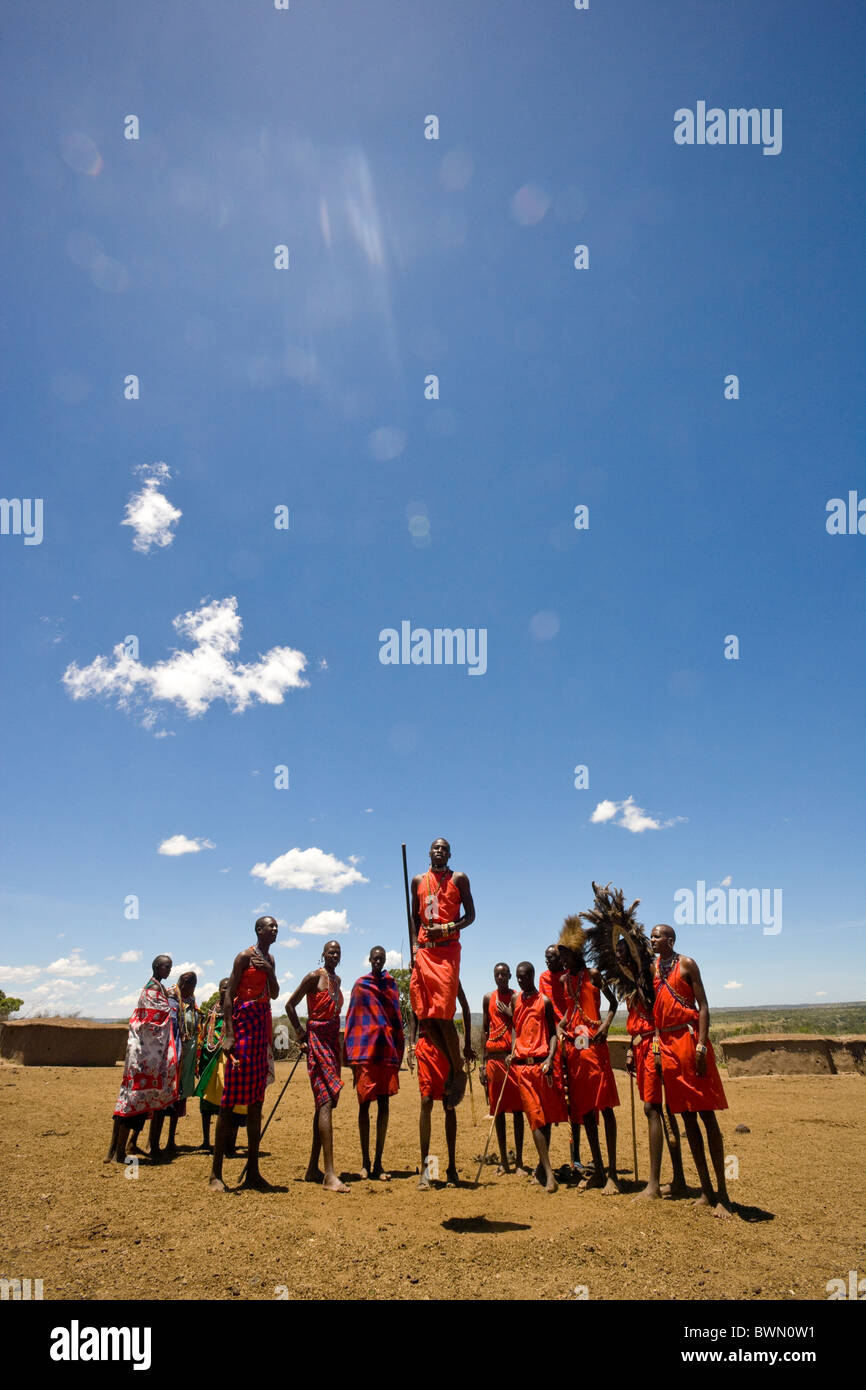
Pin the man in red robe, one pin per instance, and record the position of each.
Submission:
(535, 1044)
(691, 1078)
(503, 1094)
(591, 1084)
(437, 898)
(374, 1051)
(434, 1071)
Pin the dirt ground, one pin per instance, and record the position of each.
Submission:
(90, 1232)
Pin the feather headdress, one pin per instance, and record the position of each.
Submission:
(573, 935)
(610, 921)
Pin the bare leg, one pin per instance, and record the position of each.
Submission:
(382, 1103)
(502, 1141)
(424, 1134)
(654, 1122)
(156, 1123)
(445, 1036)
(216, 1183)
(171, 1146)
(451, 1176)
(119, 1137)
(612, 1184)
(696, 1144)
(314, 1172)
(330, 1182)
(542, 1144)
(677, 1187)
(518, 1145)
(575, 1146)
(364, 1135)
(205, 1131)
(716, 1146)
(254, 1134)
(599, 1177)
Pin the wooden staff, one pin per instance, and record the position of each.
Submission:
(633, 1130)
(493, 1120)
(410, 1060)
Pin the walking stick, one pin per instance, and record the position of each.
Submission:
(493, 1120)
(410, 927)
(273, 1112)
(471, 1094)
(633, 1130)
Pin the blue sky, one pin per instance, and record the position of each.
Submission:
(305, 388)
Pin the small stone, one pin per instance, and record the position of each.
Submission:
(742, 1129)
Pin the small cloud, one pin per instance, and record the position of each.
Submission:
(207, 962)
(310, 870)
(224, 871)
(149, 512)
(734, 984)
(106, 988)
(323, 665)
(73, 965)
(194, 678)
(369, 811)
(185, 965)
(726, 881)
(205, 991)
(292, 942)
(393, 960)
(126, 1001)
(164, 733)
(19, 974)
(181, 844)
(127, 957)
(631, 816)
(327, 923)
(820, 993)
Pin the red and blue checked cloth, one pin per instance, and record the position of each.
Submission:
(374, 1024)
(247, 1077)
(323, 1059)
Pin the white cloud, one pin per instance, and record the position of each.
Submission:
(726, 881)
(195, 678)
(224, 871)
(369, 811)
(631, 816)
(18, 974)
(149, 512)
(127, 957)
(181, 844)
(734, 984)
(327, 923)
(393, 960)
(74, 965)
(185, 965)
(106, 988)
(126, 1001)
(205, 991)
(309, 869)
(292, 941)
(207, 962)
(820, 993)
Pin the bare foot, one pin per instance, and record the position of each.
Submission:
(611, 1187)
(502, 1170)
(365, 1172)
(424, 1181)
(679, 1188)
(647, 1194)
(551, 1185)
(314, 1175)
(702, 1201)
(591, 1181)
(723, 1210)
(522, 1172)
(378, 1175)
(333, 1184)
(256, 1183)
(216, 1185)
(452, 1177)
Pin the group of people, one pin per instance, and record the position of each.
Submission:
(545, 1054)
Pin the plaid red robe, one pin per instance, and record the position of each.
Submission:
(374, 1024)
(247, 1077)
